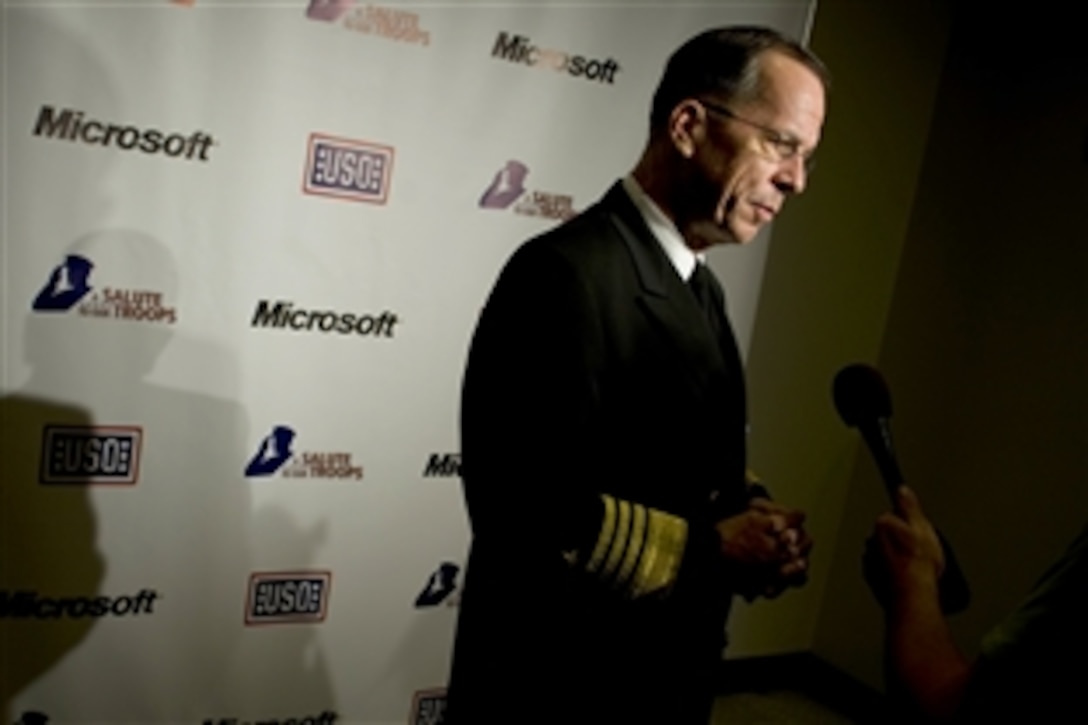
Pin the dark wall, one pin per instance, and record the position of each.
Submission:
(831, 271)
(986, 341)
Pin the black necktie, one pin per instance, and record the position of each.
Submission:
(701, 283)
(700, 287)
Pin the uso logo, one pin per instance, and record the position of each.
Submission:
(90, 454)
(347, 169)
(428, 708)
(288, 597)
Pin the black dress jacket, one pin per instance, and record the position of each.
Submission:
(603, 433)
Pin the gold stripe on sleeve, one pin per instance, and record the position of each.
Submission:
(619, 541)
(637, 541)
(666, 537)
(608, 526)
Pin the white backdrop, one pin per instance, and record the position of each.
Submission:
(205, 516)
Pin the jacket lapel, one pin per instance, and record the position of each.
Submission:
(664, 297)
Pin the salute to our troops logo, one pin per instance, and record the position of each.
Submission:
(385, 22)
(275, 457)
(441, 584)
(508, 187)
(69, 287)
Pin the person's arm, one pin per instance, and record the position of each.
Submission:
(924, 666)
(530, 411)
(530, 407)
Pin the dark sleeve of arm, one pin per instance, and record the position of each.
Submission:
(530, 407)
(755, 486)
(1029, 668)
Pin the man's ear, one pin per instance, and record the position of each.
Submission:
(687, 126)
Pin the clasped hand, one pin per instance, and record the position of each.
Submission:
(765, 549)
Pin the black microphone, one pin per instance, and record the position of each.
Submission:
(864, 402)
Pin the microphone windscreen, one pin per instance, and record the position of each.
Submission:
(861, 395)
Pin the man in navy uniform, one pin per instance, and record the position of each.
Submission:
(604, 417)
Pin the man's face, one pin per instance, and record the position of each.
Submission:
(749, 155)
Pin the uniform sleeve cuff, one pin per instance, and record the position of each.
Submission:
(638, 549)
(756, 489)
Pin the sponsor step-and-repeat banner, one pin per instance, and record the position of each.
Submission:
(244, 248)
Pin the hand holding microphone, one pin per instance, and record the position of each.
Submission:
(863, 402)
(904, 558)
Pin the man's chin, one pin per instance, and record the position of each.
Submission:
(738, 233)
(708, 234)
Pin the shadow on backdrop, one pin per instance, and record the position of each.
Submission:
(47, 546)
(179, 531)
(280, 670)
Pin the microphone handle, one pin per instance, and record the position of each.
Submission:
(878, 437)
(954, 594)
(952, 589)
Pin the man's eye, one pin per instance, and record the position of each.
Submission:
(787, 148)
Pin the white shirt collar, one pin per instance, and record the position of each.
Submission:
(664, 231)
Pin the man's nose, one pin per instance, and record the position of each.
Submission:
(792, 176)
